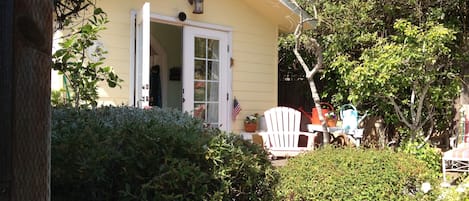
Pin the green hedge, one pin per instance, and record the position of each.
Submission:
(355, 174)
(121, 153)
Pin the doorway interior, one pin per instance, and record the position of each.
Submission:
(165, 65)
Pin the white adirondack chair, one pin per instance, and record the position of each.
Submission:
(283, 132)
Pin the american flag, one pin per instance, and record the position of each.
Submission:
(236, 109)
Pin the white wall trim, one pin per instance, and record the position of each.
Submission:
(175, 21)
(132, 68)
(299, 11)
(229, 83)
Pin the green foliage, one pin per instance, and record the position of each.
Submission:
(424, 152)
(81, 61)
(58, 98)
(66, 11)
(410, 62)
(396, 65)
(395, 45)
(132, 154)
(459, 192)
(355, 174)
(241, 170)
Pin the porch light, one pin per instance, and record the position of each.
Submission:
(198, 6)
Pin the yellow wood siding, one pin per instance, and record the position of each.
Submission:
(254, 48)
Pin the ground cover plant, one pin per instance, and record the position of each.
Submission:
(124, 153)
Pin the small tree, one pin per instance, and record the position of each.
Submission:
(408, 71)
(312, 46)
(80, 60)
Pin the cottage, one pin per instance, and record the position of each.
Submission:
(196, 55)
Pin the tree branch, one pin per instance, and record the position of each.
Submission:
(400, 115)
(412, 104)
(310, 73)
(429, 135)
(318, 53)
(298, 33)
(429, 116)
(421, 101)
(73, 7)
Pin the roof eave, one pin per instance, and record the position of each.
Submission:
(299, 11)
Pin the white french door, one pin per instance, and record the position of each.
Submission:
(142, 67)
(205, 75)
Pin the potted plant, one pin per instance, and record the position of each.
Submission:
(331, 119)
(250, 123)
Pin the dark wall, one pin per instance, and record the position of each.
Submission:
(25, 52)
(295, 94)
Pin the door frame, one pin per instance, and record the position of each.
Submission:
(170, 20)
(189, 35)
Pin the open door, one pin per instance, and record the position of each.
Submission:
(142, 63)
(205, 76)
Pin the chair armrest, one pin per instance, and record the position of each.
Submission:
(311, 138)
(265, 139)
(309, 134)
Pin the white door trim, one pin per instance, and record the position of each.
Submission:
(142, 57)
(175, 21)
(132, 94)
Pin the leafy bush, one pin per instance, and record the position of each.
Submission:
(355, 174)
(80, 59)
(133, 154)
(424, 152)
(458, 192)
(241, 169)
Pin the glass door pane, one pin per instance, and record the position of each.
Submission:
(206, 80)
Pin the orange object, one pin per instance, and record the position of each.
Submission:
(331, 122)
(325, 108)
(250, 127)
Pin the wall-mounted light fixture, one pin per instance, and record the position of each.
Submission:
(182, 16)
(198, 6)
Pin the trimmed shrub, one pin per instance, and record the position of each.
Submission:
(424, 152)
(132, 154)
(241, 169)
(355, 174)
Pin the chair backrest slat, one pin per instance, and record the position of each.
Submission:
(283, 124)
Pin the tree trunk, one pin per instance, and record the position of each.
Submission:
(313, 46)
(25, 61)
(317, 104)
